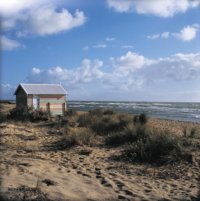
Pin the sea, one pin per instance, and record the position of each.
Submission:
(164, 110)
(181, 111)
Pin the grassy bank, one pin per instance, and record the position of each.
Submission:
(140, 138)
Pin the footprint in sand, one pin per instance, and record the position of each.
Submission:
(122, 197)
(74, 166)
(147, 190)
(119, 184)
(49, 182)
(112, 174)
(127, 192)
(105, 182)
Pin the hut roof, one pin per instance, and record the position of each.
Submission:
(42, 89)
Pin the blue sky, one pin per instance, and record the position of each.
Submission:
(127, 50)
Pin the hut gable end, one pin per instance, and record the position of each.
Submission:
(21, 97)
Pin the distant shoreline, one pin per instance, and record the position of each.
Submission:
(8, 101)
(183, 112)
(114, 101)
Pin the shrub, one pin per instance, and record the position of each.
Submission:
(135, 119)
(142, 118)
(185, 131)
(190, 132)
(117, 139)
(130, 134)
(193, 132)
(20, 114)
(67, 142)
(124, 119)
(153, 146)
(77, 136)
(71, 112)
(96, 112)
(39, 115)
(83, 136)
(84, 120)
(108, 112)
(3, 118)
(27, 114)
(106, 125)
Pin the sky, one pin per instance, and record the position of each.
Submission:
(106, 50)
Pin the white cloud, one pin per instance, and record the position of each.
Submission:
(109, 39)
(87, 72)
(127, 46)
(36, 71)
(9, 44)
(165, 34)
(7, 86)
(47, 21)
(153, 37)
(121, 5)
(86, 48)
(100, 46)
(39, 17)
(129, 63)
(13, 7)
(13, 11)
(178, 67)
(161, 8)
(129, 74)
(188, 33)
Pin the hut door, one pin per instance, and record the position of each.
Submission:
(36, 102)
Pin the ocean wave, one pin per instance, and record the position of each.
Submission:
(179, 111)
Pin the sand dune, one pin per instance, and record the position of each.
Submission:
(30, 170)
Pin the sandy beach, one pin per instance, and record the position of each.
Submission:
(33, 169)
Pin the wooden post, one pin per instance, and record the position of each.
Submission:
(63, 109)
(48, 108)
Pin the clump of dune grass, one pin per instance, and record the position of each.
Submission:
(191, 132)
(71, 112)
(144, 144)
(141, 118)
(129, 134)
(124, 119)
(102, 121)
(84, 120)
(108, 112)
(96, 112)
(154, 146)
(106, 125)
(3, 118)
(194, 133)
(28, 114)
(76, 136)
(82, 136)
(117, 139)
(20, 114)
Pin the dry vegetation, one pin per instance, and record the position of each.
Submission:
(99, 155)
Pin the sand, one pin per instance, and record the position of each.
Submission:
(32, 170)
